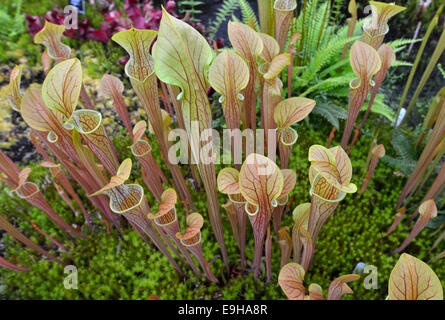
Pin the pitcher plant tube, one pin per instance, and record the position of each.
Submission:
(191, 238)
(291, 279)
(365, 63)
(182, 57)
(129, 200)
(330, 175)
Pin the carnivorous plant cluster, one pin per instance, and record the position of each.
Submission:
(171, 71)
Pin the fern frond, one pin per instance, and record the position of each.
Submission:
(403, 146)
(442, 72)
(407, 157)
(236, 19)
(190, 6)
(334, 67)
(343, 31)
(407, 166)
(392, 162)
(340, 92)
(11, 24)
(327, 85)
(379, 107)
(316, 27)
(311, 20)
(324, 55)
(248, 14)
(319, 24)
(400, 63)
(396, 44)
(335, 11)
(226, 10)
(331, 112)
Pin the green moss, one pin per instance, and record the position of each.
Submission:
(40, 8)
(100, 58)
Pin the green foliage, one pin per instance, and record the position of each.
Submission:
(323, 57)
(248, 14)
(330, 112)
(336, 8)
(315, 31)
(19, 51)
(406, 155)
(15, 41)
(100, 58)
(91, 12)
(442, 72)
(399, 63)
(190, 7)
(227, 8)
(327, 85)
(39, 8)
(11, 23)
(379, 107)
(321, 74)
(437, 221)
